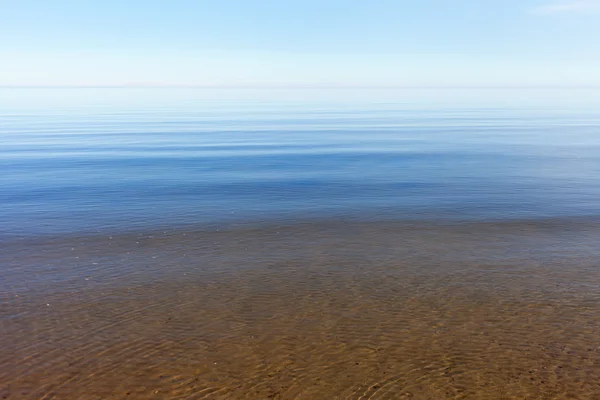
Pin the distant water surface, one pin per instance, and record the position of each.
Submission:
(92, 160)
(299, 244)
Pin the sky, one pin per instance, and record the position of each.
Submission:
(308, 43)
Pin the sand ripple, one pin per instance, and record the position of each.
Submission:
(309, 312)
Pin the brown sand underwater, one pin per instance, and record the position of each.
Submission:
(320, 310)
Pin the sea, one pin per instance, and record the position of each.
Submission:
(299, 243)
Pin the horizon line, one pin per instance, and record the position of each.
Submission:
(294, 86)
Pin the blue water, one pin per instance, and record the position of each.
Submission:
(109, 160)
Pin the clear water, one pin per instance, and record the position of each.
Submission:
(299, 244)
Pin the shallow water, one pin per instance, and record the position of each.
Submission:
(203, 245)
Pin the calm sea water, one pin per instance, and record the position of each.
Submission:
(299, 244)
(90, 160)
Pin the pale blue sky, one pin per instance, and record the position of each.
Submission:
(300, 42)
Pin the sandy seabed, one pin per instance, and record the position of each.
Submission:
(315, 310)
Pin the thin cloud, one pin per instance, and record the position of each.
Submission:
(570, 7)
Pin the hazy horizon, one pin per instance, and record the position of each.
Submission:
(307, 86)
